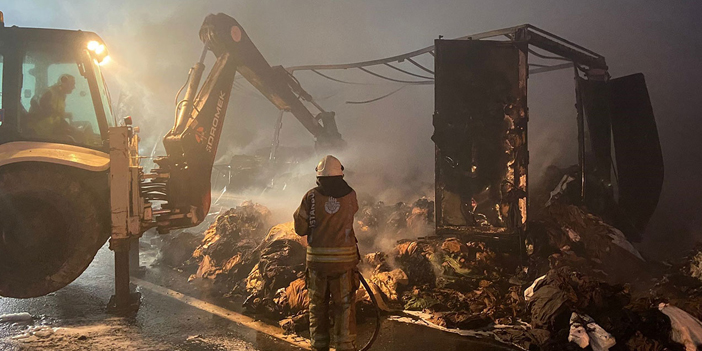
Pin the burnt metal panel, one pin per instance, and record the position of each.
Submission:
(639, 159)
(480, 134)
(597, 158)
(596, 107)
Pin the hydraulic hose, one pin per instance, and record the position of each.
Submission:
(377, 313)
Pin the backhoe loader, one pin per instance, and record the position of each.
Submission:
(70, 177)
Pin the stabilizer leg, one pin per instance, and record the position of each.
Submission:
(124, 301)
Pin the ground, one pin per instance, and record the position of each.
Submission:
(175, 315)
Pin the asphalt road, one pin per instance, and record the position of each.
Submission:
(75, 318)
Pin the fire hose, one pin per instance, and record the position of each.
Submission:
(367, 346)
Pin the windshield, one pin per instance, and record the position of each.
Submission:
(56, 99)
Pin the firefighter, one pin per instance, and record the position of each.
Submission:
(325, 216)
(48, 114)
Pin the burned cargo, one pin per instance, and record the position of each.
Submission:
(580, 281)
(228, 249)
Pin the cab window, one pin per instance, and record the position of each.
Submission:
(55, 98)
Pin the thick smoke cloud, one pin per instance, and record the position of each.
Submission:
(390, 154)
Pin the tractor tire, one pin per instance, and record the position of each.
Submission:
(53, 220)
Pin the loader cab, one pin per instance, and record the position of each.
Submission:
(53, 90)
(54, 157)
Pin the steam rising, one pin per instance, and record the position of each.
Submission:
(390, 154)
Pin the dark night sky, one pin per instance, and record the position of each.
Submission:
(155, 42)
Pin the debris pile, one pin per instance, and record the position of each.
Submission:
(276, 285)
(455, 283)
(581, 284)
(570, 311)
(228, 250)
(565, 235)
(590, 287)
(582, 271)
(681, 284)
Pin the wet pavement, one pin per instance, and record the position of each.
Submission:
(75, 318)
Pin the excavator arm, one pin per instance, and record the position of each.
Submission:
(181, 183)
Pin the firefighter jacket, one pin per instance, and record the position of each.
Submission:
(328, 224)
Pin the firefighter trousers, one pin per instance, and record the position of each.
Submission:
(340, 290)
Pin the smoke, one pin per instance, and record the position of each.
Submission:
(390, 154)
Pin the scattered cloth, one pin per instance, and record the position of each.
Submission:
(578, 333)
(584, 331)
(389, 282)
(529, 292)
(687, 329)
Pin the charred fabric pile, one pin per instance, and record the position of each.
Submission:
(225, 252)
(276, 286)
(268, 270)
(580, 284)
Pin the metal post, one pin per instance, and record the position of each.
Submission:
(124, 300)
(581, 131)
(122, 291)
(134, 267)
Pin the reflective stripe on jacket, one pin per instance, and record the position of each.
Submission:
(328, 224)
(332, 254)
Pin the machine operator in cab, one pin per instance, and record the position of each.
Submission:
(47, 115)
(325, 216)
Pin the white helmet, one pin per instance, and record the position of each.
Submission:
(329, 166)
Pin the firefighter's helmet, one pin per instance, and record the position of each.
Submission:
(329, 166)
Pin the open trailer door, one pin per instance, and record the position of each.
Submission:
(639, 160)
